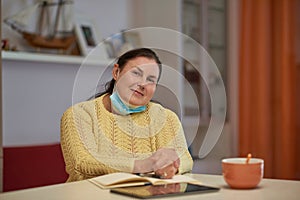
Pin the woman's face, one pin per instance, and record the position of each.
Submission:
(136, 83)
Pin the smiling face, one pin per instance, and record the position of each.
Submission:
(136, 82)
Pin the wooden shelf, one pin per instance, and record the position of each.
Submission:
(49, 58)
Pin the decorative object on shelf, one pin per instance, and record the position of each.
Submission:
(133, 38)
(115, 43)
(54, 24)
(89, 38)
(6, 45)
(109, 49)
(124, 41)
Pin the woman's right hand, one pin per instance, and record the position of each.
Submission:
(160, 159)
(168, 171)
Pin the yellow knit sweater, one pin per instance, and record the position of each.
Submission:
(95, 141)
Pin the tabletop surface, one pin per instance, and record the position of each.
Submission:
(267, 189)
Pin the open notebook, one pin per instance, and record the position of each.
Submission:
(121, 179)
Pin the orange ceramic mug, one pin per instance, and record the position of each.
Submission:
(239, 174)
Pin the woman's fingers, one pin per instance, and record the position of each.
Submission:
(167, 172)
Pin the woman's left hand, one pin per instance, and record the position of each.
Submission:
(168, 171)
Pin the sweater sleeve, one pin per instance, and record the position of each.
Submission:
(80, 163)
(179, 143)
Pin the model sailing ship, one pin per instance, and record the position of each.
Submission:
(46, 24)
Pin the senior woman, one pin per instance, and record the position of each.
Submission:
(121, 130)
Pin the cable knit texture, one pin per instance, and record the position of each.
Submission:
(96, 142)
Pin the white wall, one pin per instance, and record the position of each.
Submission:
(36, 94)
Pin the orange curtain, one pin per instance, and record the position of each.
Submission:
(267, 86)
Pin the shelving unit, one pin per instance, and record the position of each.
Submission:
(52, 58)
(205, 22)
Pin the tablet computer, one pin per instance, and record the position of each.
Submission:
(174, 189)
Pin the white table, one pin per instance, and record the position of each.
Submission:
(84, 190)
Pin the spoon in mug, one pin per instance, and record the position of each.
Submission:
(248, 158)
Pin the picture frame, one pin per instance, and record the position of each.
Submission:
(89, 38)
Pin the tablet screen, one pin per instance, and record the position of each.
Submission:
(175, 189)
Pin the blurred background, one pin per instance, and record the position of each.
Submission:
(255, 45)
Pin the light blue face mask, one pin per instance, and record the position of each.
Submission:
(121, 108)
